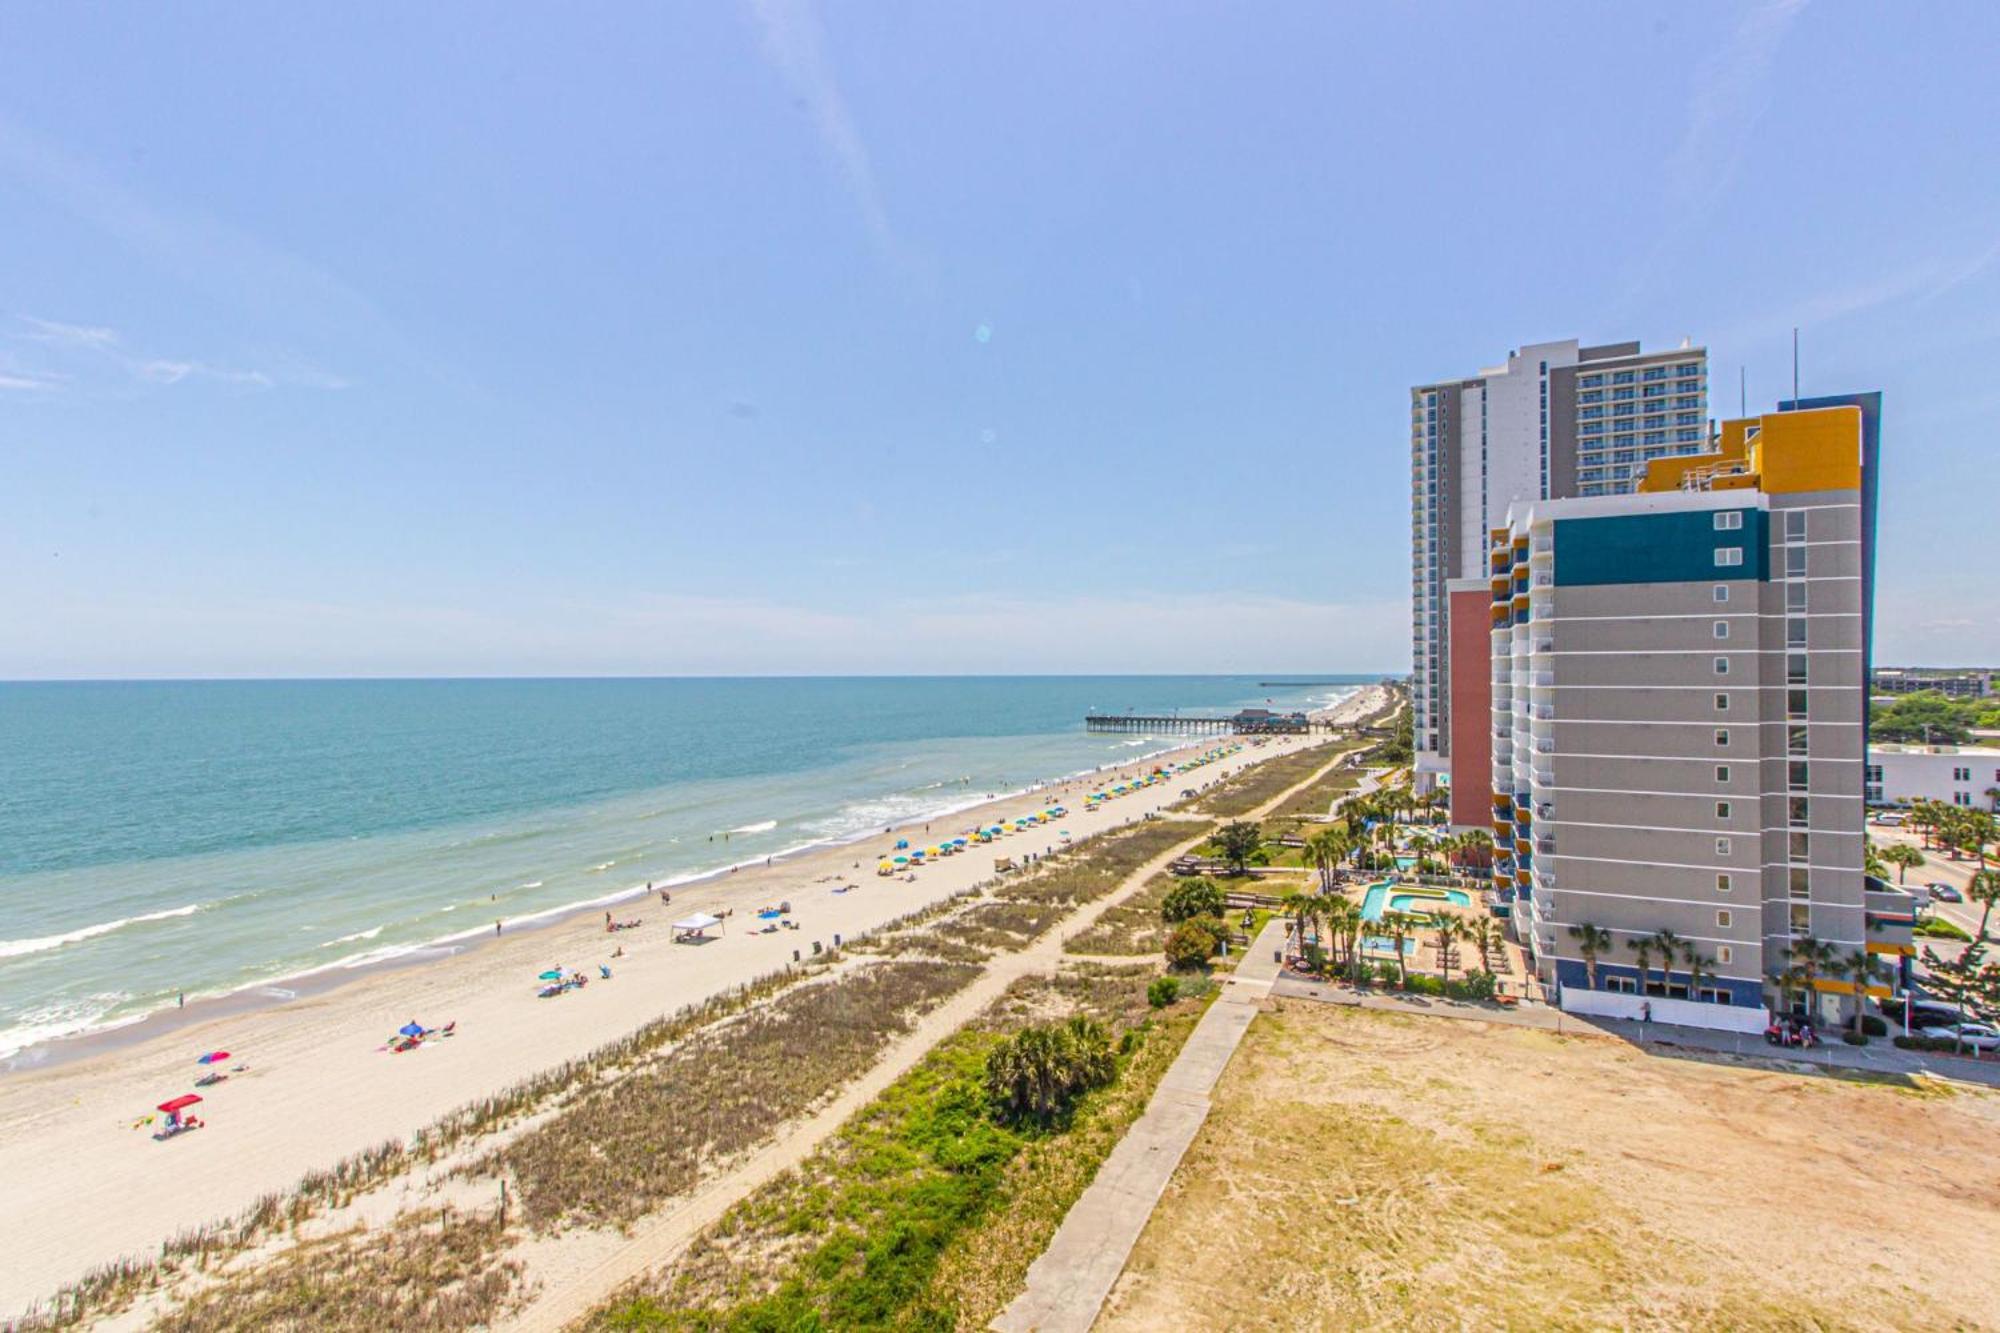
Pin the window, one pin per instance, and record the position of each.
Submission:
(1723, 954)
(1795, 631)
(1795, 668)
(1796, 810)
(1795, 597)
(1722, 772)
(1728, 520)
(1722, 809)
(1721, 666)
(1622, 985)
(1800, 882)
(1798, 775)
(1721, 629)
(1795, 562)
(1801, 919)
(1795, 525)
(1722, 735)
(1961, 775)
(1796, 846)
(1795, 740)
(1721, 703)
(1722, 846)
(1728, 555)
(1722, 592)
(1795, 703)
(1722, 918)
(1722, 883)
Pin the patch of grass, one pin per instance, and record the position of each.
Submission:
(1259, 783)
(625, 1147)
(436, 1269)
(1132, 927)
(925, 1212)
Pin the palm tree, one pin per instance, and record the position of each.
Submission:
(1297, 904)
(1984, 889)
(1902, 856)
(1859, 967)
(1449, 931)
(1668, 945)
(1697, 965)
(1590, 942)
(1326, 850)
(1398, 924)
(1642, 946)
(1812, 958)
(1482, 934)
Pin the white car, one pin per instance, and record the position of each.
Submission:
(1975, 1036)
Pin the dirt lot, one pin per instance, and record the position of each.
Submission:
(1371, 1170)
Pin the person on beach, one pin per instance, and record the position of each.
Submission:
(496, 929)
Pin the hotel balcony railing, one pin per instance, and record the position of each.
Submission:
(1545, 644)
(1545, 746)
(1543, 777)
(1544, 679)
(1546, 847)
(1543, 712)
(1545, 810)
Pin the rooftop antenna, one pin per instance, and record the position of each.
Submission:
(1795, 367)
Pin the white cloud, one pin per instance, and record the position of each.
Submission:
(795, 44)
(82, 346)
(67, 335)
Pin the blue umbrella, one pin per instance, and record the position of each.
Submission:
(411, 1029)
(553, 974)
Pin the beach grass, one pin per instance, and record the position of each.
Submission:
(625, 1147)
(1132, 927)
(1259, 783)
(925, 1212)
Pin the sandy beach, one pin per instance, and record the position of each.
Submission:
(85, 1187)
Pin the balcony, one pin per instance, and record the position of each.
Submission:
(1545, 745)
(1545, 644)
(1543, 777)
(1543, 712)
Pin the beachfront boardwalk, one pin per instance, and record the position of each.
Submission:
(1067, 1286)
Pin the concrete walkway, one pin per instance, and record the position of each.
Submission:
(1066, 1286)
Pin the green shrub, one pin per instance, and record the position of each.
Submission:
(1476, 986)
(1938, 928)
(1873, 1025)
(1038, 1073)
(1163, 991)
(1419, 984)
(1190, 946)
(1191, 897)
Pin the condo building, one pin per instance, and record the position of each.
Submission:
(1556, 419)
(1678, 724)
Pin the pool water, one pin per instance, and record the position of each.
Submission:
(1379, 897)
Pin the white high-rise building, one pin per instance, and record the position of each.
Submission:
(1556, 419)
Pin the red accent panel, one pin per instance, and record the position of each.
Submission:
(1471, 630)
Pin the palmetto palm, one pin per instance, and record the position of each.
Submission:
(1327, 849)
(1642, 948)
(1668, 945)
(1591, 941)
(1902, 856)
(1449, 931)
(1813, 958)
(1859, 968)
(1399, 925)
(1697, 966)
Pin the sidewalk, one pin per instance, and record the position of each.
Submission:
(1066, 1286)
(1879, 1056)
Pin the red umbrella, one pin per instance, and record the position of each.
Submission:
(213, 1058)
(180, 1103)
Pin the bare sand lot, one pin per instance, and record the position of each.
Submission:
(1370, 1170)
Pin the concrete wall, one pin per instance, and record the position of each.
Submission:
(1685, 1013)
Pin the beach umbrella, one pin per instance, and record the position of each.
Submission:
(553, 974)
(411, 1029)
(902, 860)
(180, 1103)
(213, 1058)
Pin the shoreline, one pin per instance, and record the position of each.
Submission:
(88, 1184)
(326, 978)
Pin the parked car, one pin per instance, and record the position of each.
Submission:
(1945, 893)
(1980, 1037)
(1923, 1015)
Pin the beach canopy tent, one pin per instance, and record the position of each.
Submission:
(180, 1103)
(694, 927)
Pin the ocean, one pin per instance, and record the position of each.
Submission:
(201, 838)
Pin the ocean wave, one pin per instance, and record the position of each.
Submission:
(601, 867)
(21, 948)
(357, 935)
(764, 826)
(50, 1022)
(532, 884)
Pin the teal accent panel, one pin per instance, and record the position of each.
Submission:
(1676, 547)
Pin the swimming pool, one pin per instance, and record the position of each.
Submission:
(1379, 897)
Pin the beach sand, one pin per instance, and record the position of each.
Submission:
(84, 1187)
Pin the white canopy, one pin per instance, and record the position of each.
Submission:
(698, 922)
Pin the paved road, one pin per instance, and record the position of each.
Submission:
(1066, 1287)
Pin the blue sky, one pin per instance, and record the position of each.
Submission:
(457, 339)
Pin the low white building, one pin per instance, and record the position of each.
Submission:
(1955, 774)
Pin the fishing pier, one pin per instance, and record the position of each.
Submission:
(1249, 722)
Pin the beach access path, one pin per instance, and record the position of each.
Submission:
(85, 1186)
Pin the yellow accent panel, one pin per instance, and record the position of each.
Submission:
(1816, 450)
(1907, 950)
